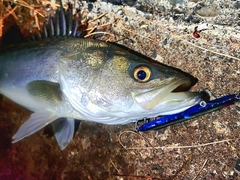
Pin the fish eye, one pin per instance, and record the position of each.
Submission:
(142, 73)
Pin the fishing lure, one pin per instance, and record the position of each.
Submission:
(194, 111)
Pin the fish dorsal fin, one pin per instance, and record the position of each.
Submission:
(37, 121)
(45, 91)
(64, 130)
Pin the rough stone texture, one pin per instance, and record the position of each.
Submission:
(163, 29)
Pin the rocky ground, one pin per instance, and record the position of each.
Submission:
(199, 37)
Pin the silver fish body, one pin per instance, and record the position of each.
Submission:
(89, 80)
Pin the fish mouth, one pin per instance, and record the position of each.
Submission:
(172, 97)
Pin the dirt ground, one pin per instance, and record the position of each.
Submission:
(207, 147)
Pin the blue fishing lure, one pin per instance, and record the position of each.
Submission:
(197, 110)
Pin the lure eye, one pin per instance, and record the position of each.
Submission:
(142, 73)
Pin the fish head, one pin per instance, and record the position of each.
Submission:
(119, 81)
(155, 86)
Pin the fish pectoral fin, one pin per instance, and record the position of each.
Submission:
(45, 91)
(64, 130)
(37, 121)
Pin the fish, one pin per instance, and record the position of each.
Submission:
(64, 79)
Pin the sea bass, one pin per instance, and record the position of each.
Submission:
(66, 79)
(88, 80)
